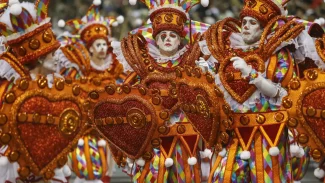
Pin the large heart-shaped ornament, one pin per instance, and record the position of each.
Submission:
(127, 120)
(41, 125)
(201, 100)
(231, 79)
(307, 111)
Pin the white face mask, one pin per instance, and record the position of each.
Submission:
(99, 49)
(251, 30)
(168, 42)
(50, 63)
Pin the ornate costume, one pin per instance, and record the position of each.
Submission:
(27, 30)
(91, 160)
(254, 86)
(89, 29)
(176, 146)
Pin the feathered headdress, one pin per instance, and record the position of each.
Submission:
(93, 26)
(27, 30)
(169, 14)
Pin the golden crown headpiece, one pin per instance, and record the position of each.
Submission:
(93, 26)
(169, 14)
(27, 30)
(263, 10)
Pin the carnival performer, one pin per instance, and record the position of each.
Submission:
(152, 53)
(93, 52)
(88, 46)
(255, 67)
(31, 53)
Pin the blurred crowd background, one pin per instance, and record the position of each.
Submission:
(138, 14)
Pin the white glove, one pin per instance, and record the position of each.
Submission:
(202, 64)
(240, 64)
(267, 87)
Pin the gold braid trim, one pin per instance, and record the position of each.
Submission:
(195, 52)
(217, 43)
(212, 43)
(72, 56)
(319, 44)
(290, 33)
(15, 64)
(130, 44)
(130, 56)
(228, 24)
(83, 54)
(267, 30)
(137, 39)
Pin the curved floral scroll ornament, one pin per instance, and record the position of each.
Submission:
(307, 111)
(42, 124)
(201, 100)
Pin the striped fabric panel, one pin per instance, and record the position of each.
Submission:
(95, 157)
(268, 174)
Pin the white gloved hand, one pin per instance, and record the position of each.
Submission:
(203, 64)
(240, 64)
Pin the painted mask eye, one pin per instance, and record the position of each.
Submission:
(173, 35)
(163, 36)
(244, 22)
(253, 22)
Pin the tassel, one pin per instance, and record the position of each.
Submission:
(15, 7)
(133, 2)
(245, 155)
(192, 161)
(97, 2)
(101, 143)
(274, 151)
(61, 23)
(81, 142)
(140, 162)
(169, 162)
(319, 173)
(223, 152)
(205, 3)
(120, 19)
(294, 149)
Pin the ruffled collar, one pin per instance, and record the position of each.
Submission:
(103, 67)
(155, 53)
